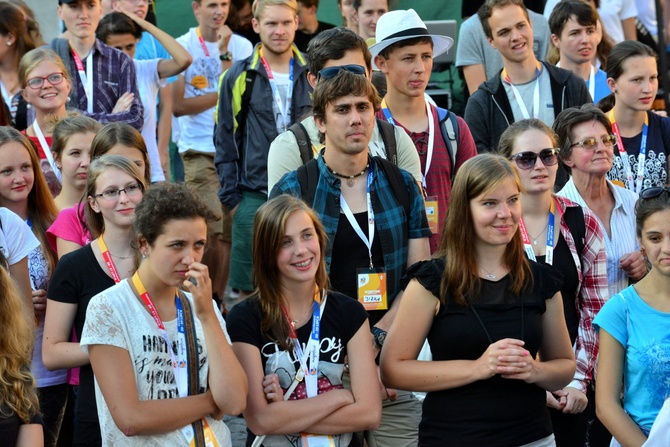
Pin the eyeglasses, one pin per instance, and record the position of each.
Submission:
(592, 143)
(113, 194)
(331, 72)
(526, 160)
(38, 82)
(653, 192)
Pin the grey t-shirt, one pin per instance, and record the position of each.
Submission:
(527, 92)
(473, 48)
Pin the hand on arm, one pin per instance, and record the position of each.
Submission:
(227, 381)
(115, 375)
(58, 351)
(608, 391)
(282, 416)
(634, 265)
(40, 302)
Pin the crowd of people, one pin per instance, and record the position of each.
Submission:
(402, 276)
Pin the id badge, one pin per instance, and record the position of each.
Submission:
(372, 288)
(210, 437)
(310, 440)
(199, 82)
(433, 214)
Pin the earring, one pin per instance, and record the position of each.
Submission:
(29, 105)
(144, 255)
(9, 44)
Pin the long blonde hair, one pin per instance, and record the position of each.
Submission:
(17, 385)
(477, 176)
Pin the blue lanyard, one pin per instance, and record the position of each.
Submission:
(312, 348)
(285, 110)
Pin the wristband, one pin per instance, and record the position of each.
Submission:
(227, 56)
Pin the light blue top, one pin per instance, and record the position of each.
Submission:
(644, 333)
(149, 48)
(602, 89)
(621, 239)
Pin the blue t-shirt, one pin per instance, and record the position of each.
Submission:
(602, 89)
(148, 47)
(643, 332)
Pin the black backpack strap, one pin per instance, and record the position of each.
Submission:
(308, 177)
(396, 181)
(246, 98)
(62, 48)
(387, 131)
(574, 218)
(304, 143)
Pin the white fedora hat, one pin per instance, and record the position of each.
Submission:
(398, 25)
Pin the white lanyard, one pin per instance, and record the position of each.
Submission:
(85, 76)
(311, 374)
(284, 109)
(592, 80)
(47, 150)
(431, 137)
(519, 99)
(371, 218)
(5, 95)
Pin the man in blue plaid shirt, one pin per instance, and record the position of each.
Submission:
(374, 216)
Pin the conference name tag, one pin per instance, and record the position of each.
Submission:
(432, 214)
(372, 288)
(311, 440)
(199, 82)
(210, 437)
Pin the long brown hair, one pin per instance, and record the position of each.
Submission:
(269, 231)
(42, 209)
(112, 134)
(477, 176)
(17, 385)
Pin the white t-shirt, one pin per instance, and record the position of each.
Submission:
(16, 238)
(148, 84)
(201, 78)
(282, 82)
(116, 317)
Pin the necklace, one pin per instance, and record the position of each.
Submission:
(541, 233)
(295, 322)
(349, 178)
(123, 257)
(489, 275)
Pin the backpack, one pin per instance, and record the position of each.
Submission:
(451, 125)
(574, 218)
(387, 131)
(308, 177)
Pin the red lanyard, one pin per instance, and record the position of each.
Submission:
(108, 260)
(202, 42)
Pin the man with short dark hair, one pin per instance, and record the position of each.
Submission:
(337, 47)
(104, 84)
(573, 26)
(525, 88)
(404, 53)
(375, 217)
(308, 24)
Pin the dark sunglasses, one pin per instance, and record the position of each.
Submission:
(526, 160)
(331, 72)
(653, 192)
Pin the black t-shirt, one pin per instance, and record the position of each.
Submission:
(9, 425)
(349, 254)
(566, 268)
(341, 319)
(494, 412)
(78, 278)
(301, 39)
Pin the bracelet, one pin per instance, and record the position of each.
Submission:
(379, 335)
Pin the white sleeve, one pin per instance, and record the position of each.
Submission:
(16, 238)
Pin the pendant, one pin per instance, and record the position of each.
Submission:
(535, 242)
(490, 276)
(350, 182)
(293, 322)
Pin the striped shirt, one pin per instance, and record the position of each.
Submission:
(113, 75)
(622, 224)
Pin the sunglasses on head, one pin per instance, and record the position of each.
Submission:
(331, 72)
(653, 192)
(526, 160)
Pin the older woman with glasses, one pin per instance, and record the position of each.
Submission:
(558, 232)
(587, 150)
